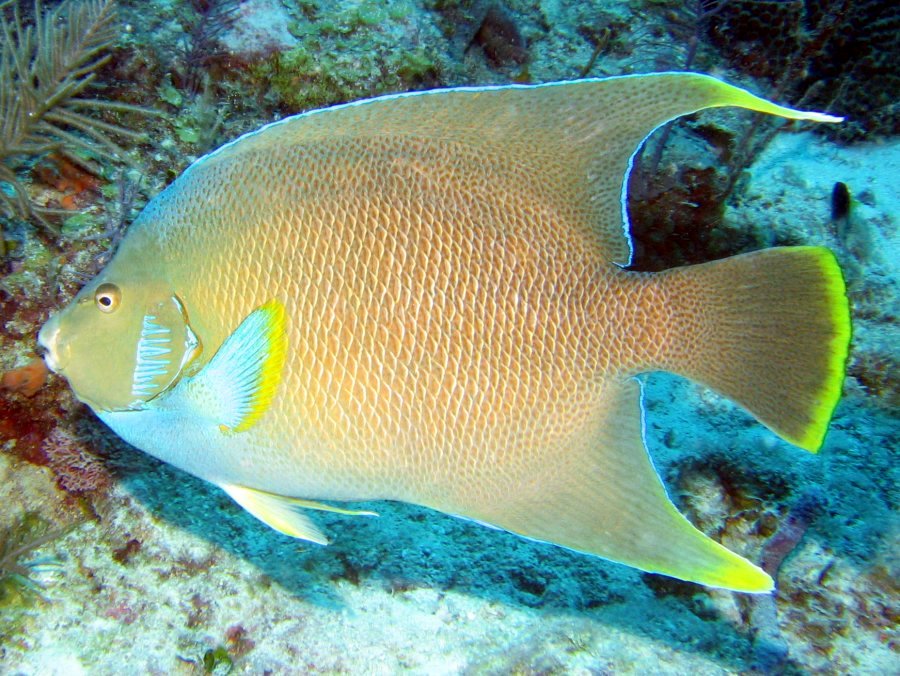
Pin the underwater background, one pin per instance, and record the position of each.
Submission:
(112, 562)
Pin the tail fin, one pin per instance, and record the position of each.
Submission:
(770, 330)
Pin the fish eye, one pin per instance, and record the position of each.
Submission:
(107, 297)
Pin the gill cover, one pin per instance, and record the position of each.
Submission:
(165, 346)
(120, 347)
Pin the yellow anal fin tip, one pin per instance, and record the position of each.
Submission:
(277, 512)
(759, 582)
(738, 574)
(695, 557)
(244, 374)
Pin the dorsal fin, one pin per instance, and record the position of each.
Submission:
(581, 135)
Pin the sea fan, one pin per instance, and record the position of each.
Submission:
(45, 67)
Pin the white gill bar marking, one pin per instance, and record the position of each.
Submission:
(149, 363)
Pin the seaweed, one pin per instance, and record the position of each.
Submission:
(18, 541)
(217, 661)
(47, 64)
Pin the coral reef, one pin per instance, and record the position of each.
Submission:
(329, 64)
(834, 54)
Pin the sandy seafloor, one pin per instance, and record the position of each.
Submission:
(419, 592)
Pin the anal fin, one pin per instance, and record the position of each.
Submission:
(606, 499)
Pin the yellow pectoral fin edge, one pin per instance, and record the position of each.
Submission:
(274, 330)
(240, 382)
(281, 512)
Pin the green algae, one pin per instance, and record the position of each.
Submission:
(348, 55)
(312, 75)
(217, 661)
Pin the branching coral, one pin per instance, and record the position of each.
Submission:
(201, 42)
(46, 66)
(77, 470)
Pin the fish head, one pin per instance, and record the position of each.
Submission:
(122, 341)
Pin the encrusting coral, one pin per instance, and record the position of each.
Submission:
(27, 379)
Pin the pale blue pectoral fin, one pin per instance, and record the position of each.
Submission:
(282, 513)
(239, 383)
(609, 501)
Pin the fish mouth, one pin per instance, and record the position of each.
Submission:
(48, 340)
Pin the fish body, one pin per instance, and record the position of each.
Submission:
(421, 298)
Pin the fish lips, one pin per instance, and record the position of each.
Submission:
(55, 355)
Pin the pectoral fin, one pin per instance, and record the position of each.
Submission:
(239, 383)
(282, 513)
